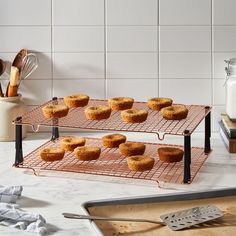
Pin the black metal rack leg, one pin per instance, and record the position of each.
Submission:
(207, 147)
(55, 129)
(187, 157)
(55, 133)
(18, 142)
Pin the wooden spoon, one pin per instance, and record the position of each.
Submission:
(18, 61)
(16, 67)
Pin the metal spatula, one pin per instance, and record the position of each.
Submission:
(175, 220)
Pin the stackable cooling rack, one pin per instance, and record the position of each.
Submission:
(111, 162)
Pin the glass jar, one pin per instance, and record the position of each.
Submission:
(231, 88)
(10, 108)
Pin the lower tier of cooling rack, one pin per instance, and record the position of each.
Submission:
(112, 163)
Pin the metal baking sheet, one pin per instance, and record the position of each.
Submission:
(155, 199)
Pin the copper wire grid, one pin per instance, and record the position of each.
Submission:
(112, 163)
(155, 123)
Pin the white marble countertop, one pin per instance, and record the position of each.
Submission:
(51, 195)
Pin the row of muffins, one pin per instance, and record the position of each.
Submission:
(128, 115)
(133, 150)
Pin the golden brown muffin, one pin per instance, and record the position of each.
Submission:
(76, 100)
(159, 103)
(140, 163)
(52, 154)
(170, 154)
(175, 112)
(97, 112)
(120, 103)
(87, 153)
(134, 115)
(132, 148)
(70, 143)
(113, 140)
(55, 111)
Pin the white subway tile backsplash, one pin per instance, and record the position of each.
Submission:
(25, 12)
(8, 58)
(14, 38)
(218, 92)
(185, 65)
(132, 38)
(224, 38)
(219, 64)
(36, 92)
(132, 65)
(132, 12)
(185, 12)
(224, 12)
(44, 68)
(78, 65)
(136, 48)
(78, 12)
(185, 38)
(139, 89)
(187, 91)
(93, 87)
(78, 38)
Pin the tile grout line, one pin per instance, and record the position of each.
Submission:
(52, 56)
(158, 48)
(212, 84)
(124, 25)
(126, 52)
(213, 117)
(105, 50)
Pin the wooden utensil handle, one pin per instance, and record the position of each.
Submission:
(11, 91)
(1, 93)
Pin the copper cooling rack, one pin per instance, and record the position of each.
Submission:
(154, 123)
(112, 163)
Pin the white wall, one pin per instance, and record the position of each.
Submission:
(137, 48)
